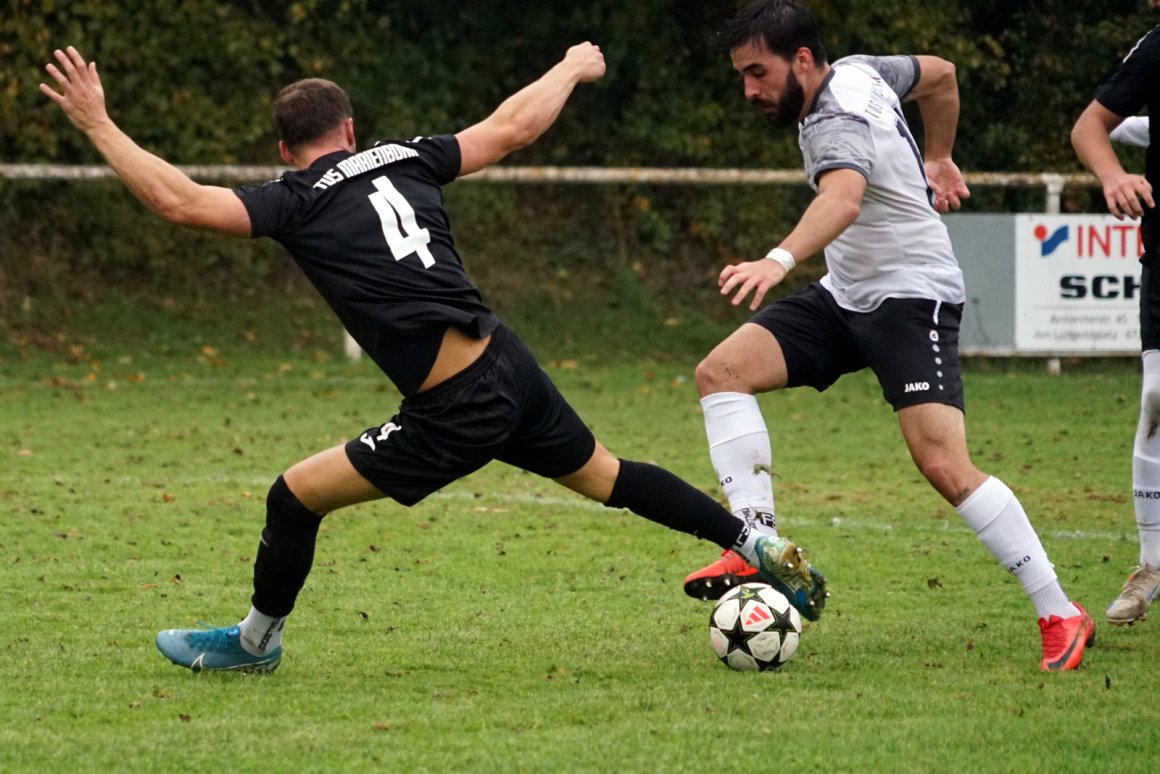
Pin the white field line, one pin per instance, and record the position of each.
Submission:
(259, 484)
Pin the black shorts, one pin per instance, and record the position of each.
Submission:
(1149, 308)
(911, 345)
(501, 407)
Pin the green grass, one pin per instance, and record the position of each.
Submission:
(507, 625)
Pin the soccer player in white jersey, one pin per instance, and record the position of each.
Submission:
(891, 300)
(1133, 86)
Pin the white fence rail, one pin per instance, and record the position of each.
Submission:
(1052, 184)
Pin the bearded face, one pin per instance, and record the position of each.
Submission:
(770, 83)
(783, 113)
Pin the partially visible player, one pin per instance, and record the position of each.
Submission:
(1133, 86)
(370, 231)
(1133, 130)
(891, 300)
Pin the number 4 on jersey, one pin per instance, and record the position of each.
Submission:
(400, 228)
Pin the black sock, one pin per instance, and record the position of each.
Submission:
(285, 553)
(660, 496)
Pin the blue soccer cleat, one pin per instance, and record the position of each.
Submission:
(214, 650)
(783, 565)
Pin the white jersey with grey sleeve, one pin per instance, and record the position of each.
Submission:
(897, 247)
(1133, 130)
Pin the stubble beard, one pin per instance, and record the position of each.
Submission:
(784, 113)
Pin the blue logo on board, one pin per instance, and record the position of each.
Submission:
(1049, 244)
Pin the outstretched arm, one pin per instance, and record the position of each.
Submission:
(528, 113)
(937, 94)
(837, 205)
(1123, 192)
(158, 184)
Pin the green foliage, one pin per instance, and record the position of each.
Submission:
(193, 81)
(508, 625)
(524, 245)
(78, 242)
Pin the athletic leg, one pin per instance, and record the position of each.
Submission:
(660, 496)
(327, 481)
(295, 506)
(936, 437)
(1143, 584)
(746, 363)
(1146, 462)
(553, 441)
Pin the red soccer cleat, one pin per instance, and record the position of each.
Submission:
(1064, 640)
(713, 581)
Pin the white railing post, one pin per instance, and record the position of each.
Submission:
(1053, 190)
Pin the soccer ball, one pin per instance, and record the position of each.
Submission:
(754, 627)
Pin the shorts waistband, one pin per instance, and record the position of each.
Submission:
(499, 339)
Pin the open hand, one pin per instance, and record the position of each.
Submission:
(1127, 195)
(757, 277)
(81, 95)
(947, 184)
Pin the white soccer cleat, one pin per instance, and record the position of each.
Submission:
(1138, 592)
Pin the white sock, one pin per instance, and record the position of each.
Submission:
(740, 452)
(996, 516)
(1146, 463)
(746, 544)
(261, 633)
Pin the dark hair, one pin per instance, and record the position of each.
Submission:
(307, 110)
(783, 26)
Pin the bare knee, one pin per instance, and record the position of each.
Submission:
(328, 481)
(952, 479)
(597, 478)
(713, 375)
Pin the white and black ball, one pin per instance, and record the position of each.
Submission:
(754, 627)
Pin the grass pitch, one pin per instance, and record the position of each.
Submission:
(506, 624)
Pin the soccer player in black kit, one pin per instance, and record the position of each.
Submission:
(369, 230)
(1132, 86)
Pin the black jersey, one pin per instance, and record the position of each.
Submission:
(370, 231)
(1135, 84)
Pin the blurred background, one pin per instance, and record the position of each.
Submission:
(193, 81)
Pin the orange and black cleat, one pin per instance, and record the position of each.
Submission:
(713, 581)
(1064, 640)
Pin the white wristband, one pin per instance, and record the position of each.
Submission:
(784, 257)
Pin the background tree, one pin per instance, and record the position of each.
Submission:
(193, 80)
